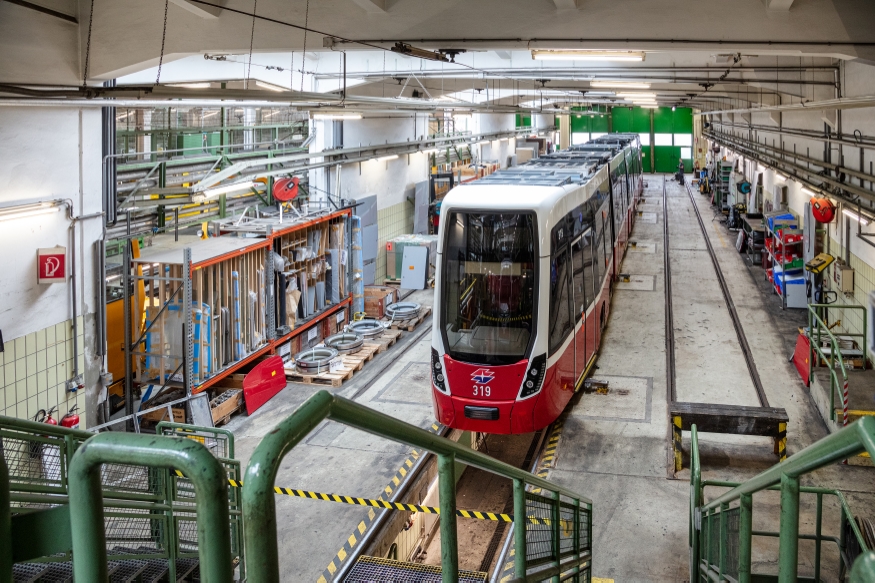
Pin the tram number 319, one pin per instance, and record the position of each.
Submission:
(482, 391)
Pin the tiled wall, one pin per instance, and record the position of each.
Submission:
(34, 370)
(391, 222)
(864, 282)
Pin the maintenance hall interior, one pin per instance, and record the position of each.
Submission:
(383, 291)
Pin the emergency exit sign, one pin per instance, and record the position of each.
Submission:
(52, 265)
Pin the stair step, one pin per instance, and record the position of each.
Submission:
(377, 570)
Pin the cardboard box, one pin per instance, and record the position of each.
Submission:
(334, 323)
(377, 297)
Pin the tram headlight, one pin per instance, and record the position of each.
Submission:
(437, 376)
(535, 377)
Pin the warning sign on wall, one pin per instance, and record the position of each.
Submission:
(52, 265)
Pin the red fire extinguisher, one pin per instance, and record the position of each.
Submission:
(43, 417)
(71, 419)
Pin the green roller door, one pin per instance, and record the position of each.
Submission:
(667, 158)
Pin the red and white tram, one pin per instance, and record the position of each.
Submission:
(526, 258)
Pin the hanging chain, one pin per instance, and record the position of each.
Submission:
(304, 52)
(88, 45)
(251, 41)
(163, 39)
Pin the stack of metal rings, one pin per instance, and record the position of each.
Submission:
(315, 360)
(345, 342)
(403, 310)
(368, 328)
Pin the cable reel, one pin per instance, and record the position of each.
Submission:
(345, 342)
(315, 360)
(369, 328)
(403, 310)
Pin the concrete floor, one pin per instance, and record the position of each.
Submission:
(614, 448)
(338, 459)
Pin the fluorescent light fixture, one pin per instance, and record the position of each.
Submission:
(585, 55)
(431, 151)
(599, 93)
(229, 188)
(855, 216)
(336, 116)
(203, 85)
(481, 142)
(28, 210)
(807, 191)
(504, 139)
(619, 84)
(269, 86)
(780, 177)
(634, 94)
(389, 157)
(647, 106)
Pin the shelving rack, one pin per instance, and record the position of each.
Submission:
(198, 310)
(721, 187)
(780, 232)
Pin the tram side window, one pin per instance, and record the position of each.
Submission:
(604, 236)
(560, 318)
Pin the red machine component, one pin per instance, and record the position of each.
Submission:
(71, 419)
(263, 382)
(286, 189)
(823, 209)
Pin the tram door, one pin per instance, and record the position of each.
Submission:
(578, 285)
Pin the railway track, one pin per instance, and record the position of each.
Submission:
(763, 420)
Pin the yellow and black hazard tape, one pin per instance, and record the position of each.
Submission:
(549, 457)
(353, 539)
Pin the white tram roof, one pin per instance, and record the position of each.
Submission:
(545, 185)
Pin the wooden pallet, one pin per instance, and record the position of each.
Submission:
(412, 323)
(330, 379)
(387, 339)
(223, 411)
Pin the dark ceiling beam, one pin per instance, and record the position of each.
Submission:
(44, 10)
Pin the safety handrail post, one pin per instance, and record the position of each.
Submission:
(449, 535)
(519, 529)
(193, 459)
(5, 525)
(818, 531)
(745, 537)
(788, 544)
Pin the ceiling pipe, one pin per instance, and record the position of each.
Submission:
(868, 143)
(838, 103)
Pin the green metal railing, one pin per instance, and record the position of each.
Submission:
(721, 535)
(555, 554)
(192, 458)
(816, 328)
(150, 513)
(5, 526)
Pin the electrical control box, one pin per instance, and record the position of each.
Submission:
(843, 276)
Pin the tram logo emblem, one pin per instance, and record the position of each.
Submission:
(482, 376)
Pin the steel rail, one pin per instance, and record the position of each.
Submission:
(670, 372)
(730, 305)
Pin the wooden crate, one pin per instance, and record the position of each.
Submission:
(377, 297)
(161, 415)
(222, 411)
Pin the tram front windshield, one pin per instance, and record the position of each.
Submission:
(489, 286)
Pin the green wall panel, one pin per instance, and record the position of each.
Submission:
(667, 158)
(683, 120)
(599, 123)
(663, 120)
(622, 119)
(580, 123)
(640, 120)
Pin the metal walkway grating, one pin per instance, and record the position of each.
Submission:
(377, 570)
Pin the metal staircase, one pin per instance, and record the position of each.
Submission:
(159, 507)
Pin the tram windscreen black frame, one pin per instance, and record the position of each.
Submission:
(475, 254)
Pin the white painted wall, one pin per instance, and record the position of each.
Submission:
(496, 150)
(46, 154)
